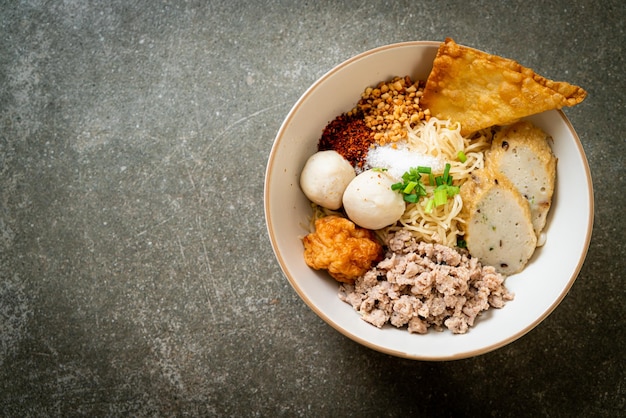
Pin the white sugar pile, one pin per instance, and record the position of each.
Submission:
(399, 160)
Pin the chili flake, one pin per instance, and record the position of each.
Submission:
(349, 136)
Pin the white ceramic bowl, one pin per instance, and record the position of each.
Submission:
(538, 289)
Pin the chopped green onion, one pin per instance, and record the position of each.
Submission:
(453, 190)
(462, 156)
(446, 173)
(411, 198)
(412, 187)
(379, 169)
(409, 187)
(429, 205)
(440, 197)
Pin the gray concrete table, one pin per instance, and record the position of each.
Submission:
(136, 276)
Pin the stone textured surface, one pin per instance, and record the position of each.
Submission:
(136, 277)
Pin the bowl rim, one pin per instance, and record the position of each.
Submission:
(369, 344)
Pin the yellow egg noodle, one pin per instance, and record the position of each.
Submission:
(442, 139)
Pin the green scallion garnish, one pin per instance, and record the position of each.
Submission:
(446, 174)
(429, 206)
(440, 196)
(413, 189)
(409, 187)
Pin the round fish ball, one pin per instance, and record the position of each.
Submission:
(369, 201)
(324, 178)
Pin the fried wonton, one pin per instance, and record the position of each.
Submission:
(480, 90)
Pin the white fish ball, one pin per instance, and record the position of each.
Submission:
(324, 178)
(369, 201)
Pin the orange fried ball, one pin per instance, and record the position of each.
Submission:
(344, 249)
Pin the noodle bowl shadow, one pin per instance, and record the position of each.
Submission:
(538, 289)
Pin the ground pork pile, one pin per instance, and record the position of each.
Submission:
(420, 285)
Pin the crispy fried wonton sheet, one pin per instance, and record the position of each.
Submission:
(480, 90)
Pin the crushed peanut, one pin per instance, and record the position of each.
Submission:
(389, 107)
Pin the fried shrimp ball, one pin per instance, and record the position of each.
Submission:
(339, 246)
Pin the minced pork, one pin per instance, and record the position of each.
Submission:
(421, 285)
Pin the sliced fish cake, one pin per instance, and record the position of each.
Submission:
(498, 231)
(522, 153)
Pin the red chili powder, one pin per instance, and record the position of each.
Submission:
(349, 136)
